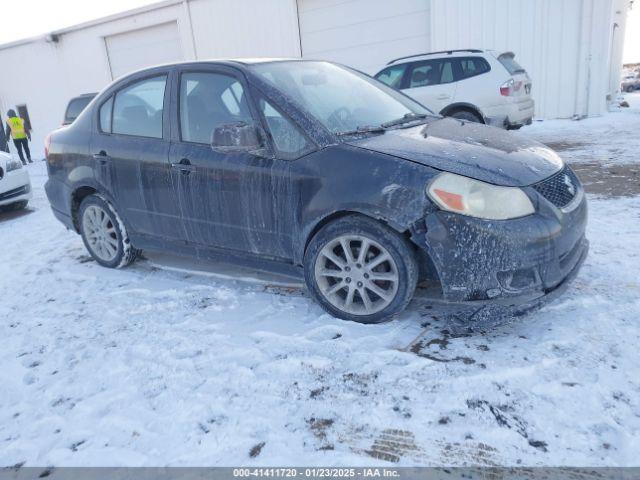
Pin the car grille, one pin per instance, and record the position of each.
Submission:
(1, 173)
(559, 189)
(16, 192)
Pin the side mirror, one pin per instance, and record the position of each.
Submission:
(236, 137)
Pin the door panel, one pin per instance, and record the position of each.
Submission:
(237, 200)
(131, 155)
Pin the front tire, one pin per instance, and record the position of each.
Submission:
(360, 270)
(104, 234)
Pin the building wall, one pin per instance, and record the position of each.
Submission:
(566, 46)
(46, 75)
(364, 34)
(570, 47)
(245, 28)
(49, 74)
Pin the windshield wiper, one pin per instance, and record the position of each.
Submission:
(406, 118)
(365, 129)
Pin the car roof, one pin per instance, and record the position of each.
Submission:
(237, 62)
(457, 53)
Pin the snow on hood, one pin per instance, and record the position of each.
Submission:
(470, 149)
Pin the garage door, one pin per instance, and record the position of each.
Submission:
(145, 47)
(364, 34)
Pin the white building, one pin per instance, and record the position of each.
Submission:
(572, 49)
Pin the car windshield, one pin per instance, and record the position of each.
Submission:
(343, 100)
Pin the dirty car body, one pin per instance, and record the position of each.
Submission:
(183, 188)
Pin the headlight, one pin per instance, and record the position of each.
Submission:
(459, 194)
(13, 165)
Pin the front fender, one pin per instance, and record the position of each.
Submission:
(392, 190)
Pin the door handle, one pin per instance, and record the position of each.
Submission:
(102, 157)
(184, 166)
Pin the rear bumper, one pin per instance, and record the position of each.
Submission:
(511, 114)
(513, 264)
(57, 193)
(15, 186)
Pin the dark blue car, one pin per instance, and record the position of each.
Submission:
(315, 168)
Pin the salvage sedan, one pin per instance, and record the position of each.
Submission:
(313, 168)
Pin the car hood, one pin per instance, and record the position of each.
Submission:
(470, 149)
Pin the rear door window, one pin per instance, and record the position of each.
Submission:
(431, 72)
(393, 75)
(137, 109)
(472, 66)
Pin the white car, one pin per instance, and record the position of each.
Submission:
(477, 85)
(15, 185)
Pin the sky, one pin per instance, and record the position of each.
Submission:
(44, 16)
(48, 15)
(632, 36)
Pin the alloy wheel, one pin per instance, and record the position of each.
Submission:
(100, 233)
(356, 274)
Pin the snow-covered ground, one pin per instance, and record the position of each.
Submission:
(608, 139)
(167, 363)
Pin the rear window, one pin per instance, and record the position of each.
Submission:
(472, 66)
(75, 108)
(509, 62)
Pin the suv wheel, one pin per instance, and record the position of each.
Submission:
(104, 234)
(466, 115)
(360, 270)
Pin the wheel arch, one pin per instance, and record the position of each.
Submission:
(428, 269)
(463, 106)
(81, 191)
(333, 216)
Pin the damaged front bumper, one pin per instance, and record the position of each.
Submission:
(517, 264)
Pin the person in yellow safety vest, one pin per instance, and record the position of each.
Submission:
(20, 134)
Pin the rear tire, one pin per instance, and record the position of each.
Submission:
(371, 284)
(104, 234)
(466, 115)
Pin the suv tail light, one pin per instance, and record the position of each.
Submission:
(510, 87)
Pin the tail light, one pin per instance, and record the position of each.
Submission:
(510, 87)
(47, 143)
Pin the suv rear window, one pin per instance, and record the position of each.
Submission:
(75, 108)
(509, 62)
(472, 66)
